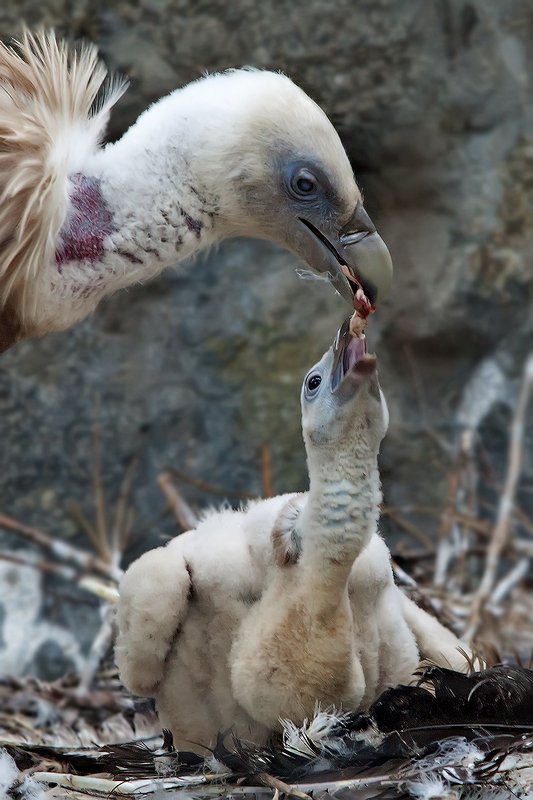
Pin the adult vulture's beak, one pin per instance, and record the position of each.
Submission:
(353, 257)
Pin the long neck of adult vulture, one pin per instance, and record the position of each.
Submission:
(242, 153)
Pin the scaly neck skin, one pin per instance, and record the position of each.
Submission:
(340, 516)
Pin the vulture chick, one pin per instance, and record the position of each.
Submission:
(258, 614)
(243, 153)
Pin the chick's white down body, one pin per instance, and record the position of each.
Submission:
(258, 614)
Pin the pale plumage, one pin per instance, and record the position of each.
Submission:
(48, 127)
(242, 153)
(260, 613)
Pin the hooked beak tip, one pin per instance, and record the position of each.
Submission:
(370, 264)
(353, 258)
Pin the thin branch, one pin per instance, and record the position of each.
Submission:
(109, 787)
(121, 529)
(127, 528)
(446, 551)
(480, 526)
(26, 559)
(88, 582)
(62, 550)
(524, 520)
(523, 546)
(414, 530)
(99, 494)
(503, 588)
(211, 487)
(79, 517)
(185, 516)
(444, 547)
(99, 648)
(266, 471)
(506, 506)
(97, 587)
(275, 783)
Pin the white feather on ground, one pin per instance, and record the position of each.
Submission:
(14, 784)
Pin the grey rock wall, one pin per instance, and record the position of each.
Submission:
(433, 99)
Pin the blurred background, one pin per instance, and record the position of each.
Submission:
(198, 373)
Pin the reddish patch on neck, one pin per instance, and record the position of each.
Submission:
(88, 223)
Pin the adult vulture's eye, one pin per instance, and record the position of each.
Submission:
(303, 184)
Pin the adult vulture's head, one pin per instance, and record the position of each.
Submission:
(241, 153)
(282, 174)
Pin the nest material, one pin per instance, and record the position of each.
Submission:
(451, 733)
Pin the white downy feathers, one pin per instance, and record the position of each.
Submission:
(48, 126)
(15, 784)
(308, 738)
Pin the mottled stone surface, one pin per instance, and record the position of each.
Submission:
(434, 103)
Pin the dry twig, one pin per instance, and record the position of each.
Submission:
(211, 488)
(60, 549)
(503, 588)
(99, 648)
(102, 539)
(27, 559)
(274, 783)
(266, 471)
(507, 500)
(185, 516)
(410, 527)
(124, 516)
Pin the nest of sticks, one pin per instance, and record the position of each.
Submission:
(55, 743)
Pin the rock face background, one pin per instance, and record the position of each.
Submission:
(434, 101)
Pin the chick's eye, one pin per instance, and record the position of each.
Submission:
(314, 382)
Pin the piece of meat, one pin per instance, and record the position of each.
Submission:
(363, 309)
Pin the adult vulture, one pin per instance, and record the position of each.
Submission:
(243, 153)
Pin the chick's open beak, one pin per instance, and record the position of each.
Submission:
(342, 358)
(352, 365)
(354, 257)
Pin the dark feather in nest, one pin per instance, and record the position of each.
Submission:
(128, 760)
(492, 708)
(495, 696)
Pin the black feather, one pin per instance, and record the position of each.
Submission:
(493, 708)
